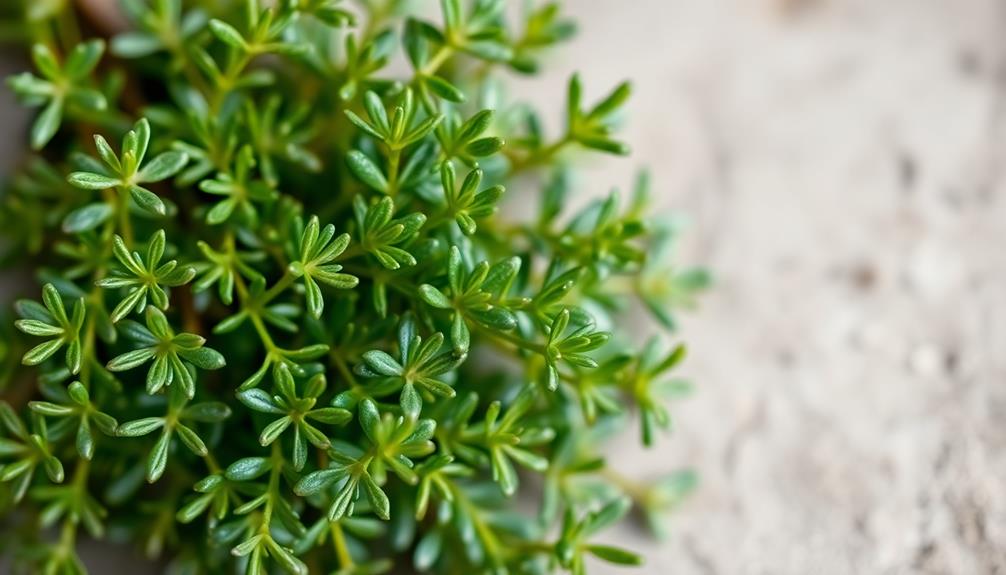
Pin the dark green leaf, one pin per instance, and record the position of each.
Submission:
(139, 427)
(158, 459)
(615, 555)
(248, 468)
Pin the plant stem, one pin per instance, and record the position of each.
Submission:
(122, 209)
(273, 488)
(341, 549)
(226, 83)
(394, 156)
(631, 488)
(439, 58)
(512, 339)
(484, 531)
(539, 157)
(340, 364)
(283, 283)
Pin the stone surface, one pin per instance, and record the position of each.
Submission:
(842, 165)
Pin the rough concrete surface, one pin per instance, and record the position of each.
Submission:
(842, 165)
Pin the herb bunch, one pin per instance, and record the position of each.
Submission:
(282, 326)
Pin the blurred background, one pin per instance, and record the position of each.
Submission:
(840, 164)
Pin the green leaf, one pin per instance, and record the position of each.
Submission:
(316, 481)
(41, 352)
(106, 153)
(286, 559)
(428, 551)
(157, 376)
(247, 546)
(191, 440)
(378, 499)
(382, 363)
(444, 89)
(364, 125)
(135, 45)
(50, 409)
(208, 411)
(460, 335)
(504, 473)
(614, 100)
(484, 147)
(364, 169)
(46, 124)
(615, 555)
(45, 60)
(204, 358)
(676, 356)
(87, 217)
(130, 359)
(162, 167)
(78, 393)
(83, 58)
(193, 509)
(248, 468)
(434, 297)
(604, 145)
(273, 430)
(158, 459)
(369, 418)
(228, 34)
(315, 301)
(139, 427)
(38, 328)
(220, 212)
(259, 400)
(137, 140)
(84, 441)
(331, 415)
(91, 181)
(612, 512)
(54, 469)
(410, 401)
(147, 200)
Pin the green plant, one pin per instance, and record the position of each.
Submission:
(286, 313)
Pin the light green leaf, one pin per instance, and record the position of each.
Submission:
(87, 217)
(92, 181)
(365, 169)
(228, 34)
(147, 200)
(46, 124)
(162, 167)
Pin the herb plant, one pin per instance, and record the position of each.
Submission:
(283, 326)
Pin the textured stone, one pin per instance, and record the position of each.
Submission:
(842, 165)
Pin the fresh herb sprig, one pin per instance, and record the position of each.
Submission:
(288, 311)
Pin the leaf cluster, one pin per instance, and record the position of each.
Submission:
(288, 321)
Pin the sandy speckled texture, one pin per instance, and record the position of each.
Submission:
(842, 162)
